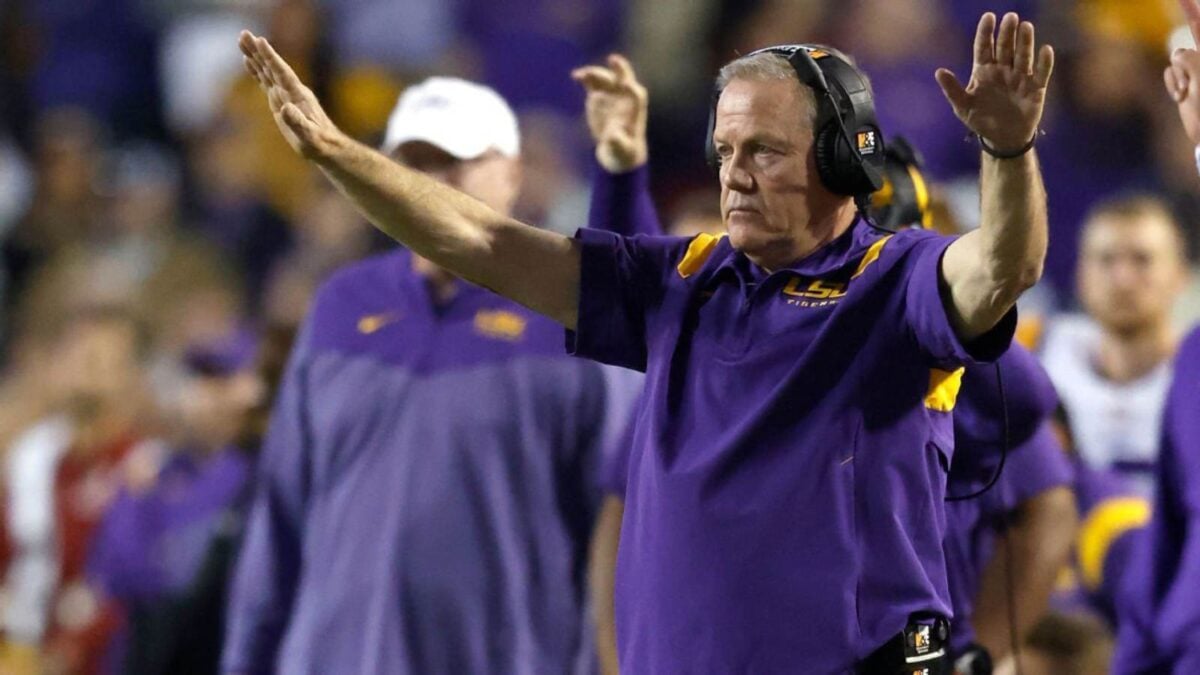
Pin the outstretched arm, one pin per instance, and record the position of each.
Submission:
(536, 268)
(985, 271)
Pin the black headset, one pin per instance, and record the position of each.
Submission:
(847, 165)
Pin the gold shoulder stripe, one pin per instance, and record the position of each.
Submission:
(1103, 526)
(871, 256)
(943, 389)
(697, 254)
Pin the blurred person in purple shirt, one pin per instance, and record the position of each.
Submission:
(1113, 515)
(427, 491)
(162, 550)
(785, 501)
(1008, 544)
(1159, 618)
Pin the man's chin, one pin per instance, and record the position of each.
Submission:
(1127, 324)
(745, 239)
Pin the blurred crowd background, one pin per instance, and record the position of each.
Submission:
(160, 242)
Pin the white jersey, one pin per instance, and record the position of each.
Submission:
(1115, 425)
(33, 571)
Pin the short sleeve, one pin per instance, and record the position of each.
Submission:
(925, 312)
(621, 285)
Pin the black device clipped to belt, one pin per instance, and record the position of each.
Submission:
(920, 649)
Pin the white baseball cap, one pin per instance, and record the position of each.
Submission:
(463, 118)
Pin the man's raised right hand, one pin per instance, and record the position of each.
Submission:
(297, 112)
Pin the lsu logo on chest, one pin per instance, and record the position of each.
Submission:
(803, 291)
(806, 292)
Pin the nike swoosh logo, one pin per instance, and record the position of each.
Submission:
(373, 322)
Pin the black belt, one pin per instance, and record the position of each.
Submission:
(921, 649)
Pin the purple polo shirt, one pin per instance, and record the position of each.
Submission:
(1113, 514)
(1036, 462)
(151, 545)
(1159, 611)
(427, 488)
(784, 504)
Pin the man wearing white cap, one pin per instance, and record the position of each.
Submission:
(427, 486)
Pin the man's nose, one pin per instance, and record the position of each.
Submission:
(735, 176)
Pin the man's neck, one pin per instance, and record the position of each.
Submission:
(443, 286)
(1127, 357)
(821, 230)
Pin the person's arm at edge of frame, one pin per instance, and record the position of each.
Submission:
(617, 107)
(1040, 533)
(986, 270)
(602, 568)
(534, 267)
(1182, 80)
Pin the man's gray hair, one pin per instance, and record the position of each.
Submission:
(768, 66)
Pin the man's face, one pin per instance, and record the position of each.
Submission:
(769, 184)
(491, 178)
(1131, 271)
(98, 360)
(216, 408)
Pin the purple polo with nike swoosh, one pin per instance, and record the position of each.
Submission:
(784, 502)
(427, 488)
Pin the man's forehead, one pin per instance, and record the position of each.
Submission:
(420, 153)
(1128, 230)
(767, 101)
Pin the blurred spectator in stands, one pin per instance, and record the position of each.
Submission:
(98, 55)
(16, 186)
(527, 48)
(228, 208)
(60, 476)
(1112, 367)
(68, 147)
(899, 43)
(131, 253)
(1097, 142)
(164, 549)
(409, 36)
(194, 62)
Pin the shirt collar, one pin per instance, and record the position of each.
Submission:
(415, 286)
(835, 255)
